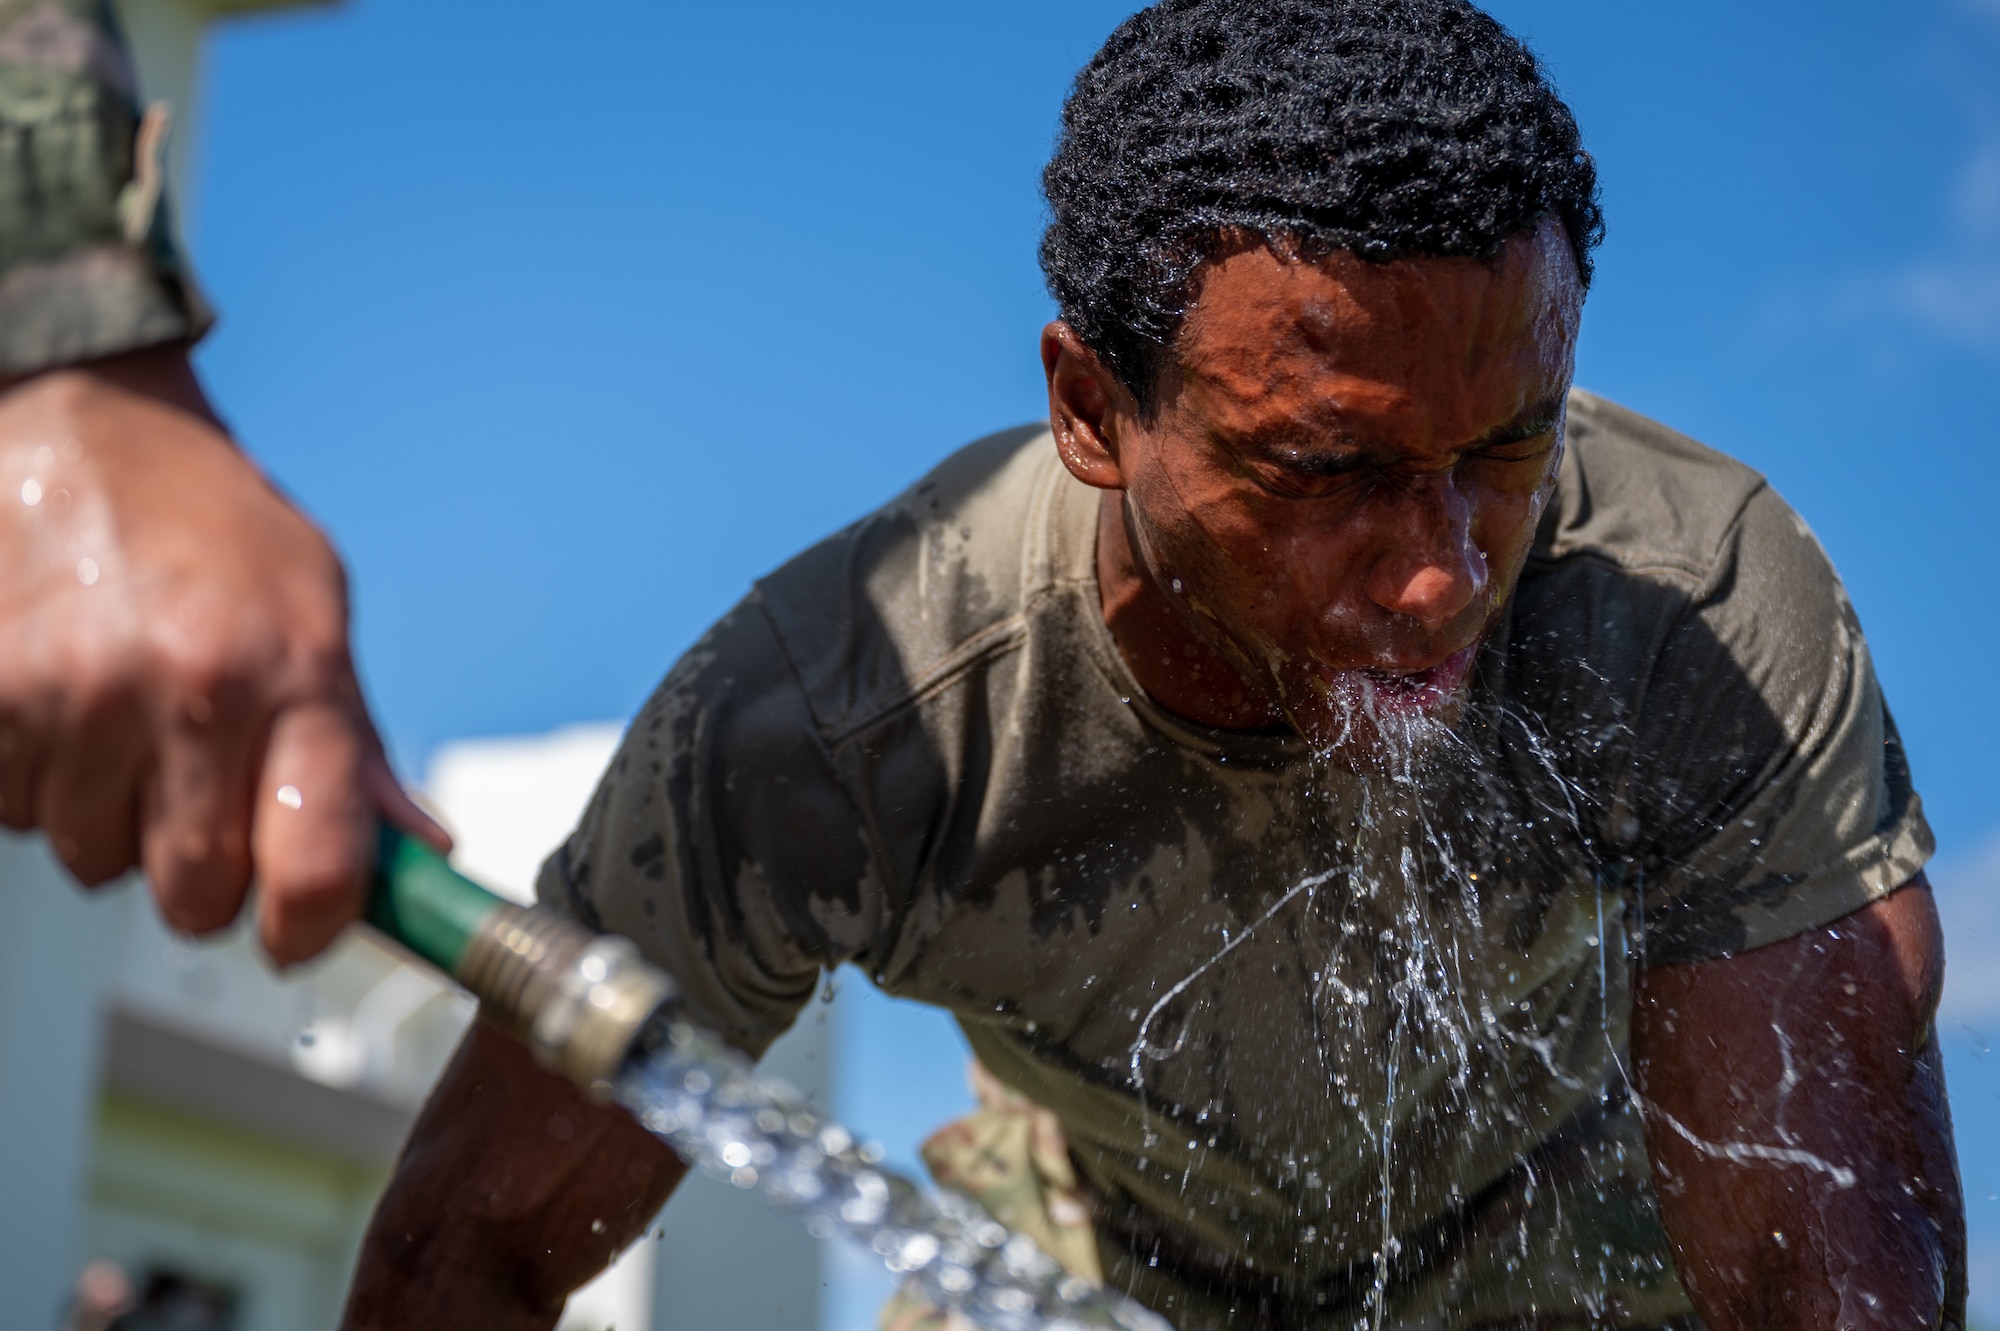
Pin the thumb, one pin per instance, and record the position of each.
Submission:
(398, 809)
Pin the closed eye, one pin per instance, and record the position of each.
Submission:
(1520, 450)
(1324, 464)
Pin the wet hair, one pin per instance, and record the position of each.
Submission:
(1388, 128)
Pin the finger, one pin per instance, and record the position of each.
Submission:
(194, 813)
(28, 717)
(88, 798)
(312, 838)
(399, 810)
(20, 771)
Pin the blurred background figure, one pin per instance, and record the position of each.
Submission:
(103, 1295)
(106, 1301)
(173, 1302)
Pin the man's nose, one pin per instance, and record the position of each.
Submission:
(1429, 568)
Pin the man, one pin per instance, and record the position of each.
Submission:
(175, 686)
(1430, 842)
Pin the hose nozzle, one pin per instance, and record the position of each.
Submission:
(578, 999)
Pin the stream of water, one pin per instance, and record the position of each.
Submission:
(706, 1101)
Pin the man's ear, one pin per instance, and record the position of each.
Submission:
(1085, 404)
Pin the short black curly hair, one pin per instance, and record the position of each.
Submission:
(1384, 127)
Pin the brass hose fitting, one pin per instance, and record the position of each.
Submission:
(578, 999)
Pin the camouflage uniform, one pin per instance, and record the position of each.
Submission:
(88, 261)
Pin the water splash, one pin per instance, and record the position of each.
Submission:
(706, 1101)
(1426, 841)
(1141, 1049)
(1426, 1041)
(1747, 1153)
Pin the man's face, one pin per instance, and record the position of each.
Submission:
(1345, 471)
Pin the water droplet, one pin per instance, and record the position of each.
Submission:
(86, 571)
(31, 492)
(290, 797)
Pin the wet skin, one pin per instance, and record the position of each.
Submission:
(1338, 484)
(1345, 473)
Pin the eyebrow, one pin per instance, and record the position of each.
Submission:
(1542, 418)
(1342, 450)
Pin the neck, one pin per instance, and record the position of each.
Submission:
(1172, 662)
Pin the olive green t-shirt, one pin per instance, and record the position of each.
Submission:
(1320, 1043)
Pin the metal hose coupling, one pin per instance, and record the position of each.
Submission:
(578, 999)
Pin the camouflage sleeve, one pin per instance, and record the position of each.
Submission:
(88, 262)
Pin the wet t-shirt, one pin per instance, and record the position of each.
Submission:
(1321, 1044)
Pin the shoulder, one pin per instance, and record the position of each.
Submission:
(926, 585)
(1641, 497)
(1667, 576)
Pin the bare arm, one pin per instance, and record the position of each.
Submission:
(1799, 1134)
(513, 1191)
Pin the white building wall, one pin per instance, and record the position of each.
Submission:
(56, 947)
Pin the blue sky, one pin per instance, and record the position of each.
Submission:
(567, 328)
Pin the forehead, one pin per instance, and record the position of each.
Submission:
(1435, 346)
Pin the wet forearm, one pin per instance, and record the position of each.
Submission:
(1799, 1134)
(513, 1191)
(415, 1272)
(1866, 1259)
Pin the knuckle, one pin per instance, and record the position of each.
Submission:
(97, 682)
(312, 888)
(197, 912)
(203, 666)
(321, 669)
(200, 870)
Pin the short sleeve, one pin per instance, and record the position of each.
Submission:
(1770, 788)
(722, 843)
(88, 263)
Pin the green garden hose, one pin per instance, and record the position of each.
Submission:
(577, 998)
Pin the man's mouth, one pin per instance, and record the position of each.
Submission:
(1385, 693)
